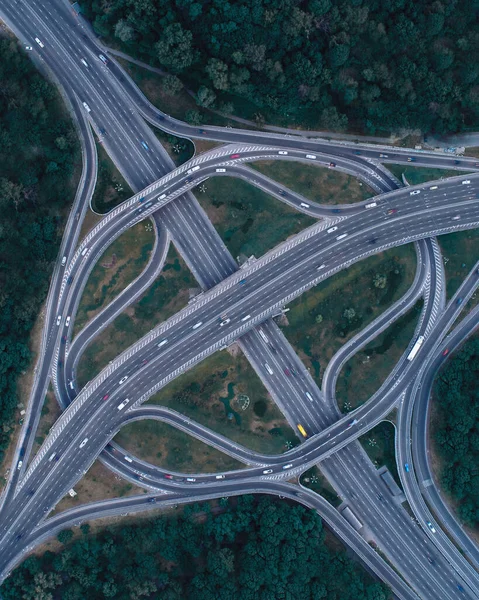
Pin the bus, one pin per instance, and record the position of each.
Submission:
(415, 348)
(302, 431)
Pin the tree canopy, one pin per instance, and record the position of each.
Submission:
(457, 429)
(260, 549)
(38, 147)
(373, 64)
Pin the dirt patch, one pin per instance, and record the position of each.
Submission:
(204, 145)
(91, 219)
(50, 413)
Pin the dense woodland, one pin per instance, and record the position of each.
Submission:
(369, 64)
(38, 147)
(457, 434)
(261, 550)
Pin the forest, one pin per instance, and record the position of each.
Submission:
(368, 65)
(457, 429)
(256, 549)
(38, 151)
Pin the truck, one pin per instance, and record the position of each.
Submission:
(302, 430)
(351, 518)
(415, 348)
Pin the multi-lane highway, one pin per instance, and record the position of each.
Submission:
(248, 298)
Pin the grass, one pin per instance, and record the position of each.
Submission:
(119, 265)
(224, 393)
(248, 220)
(379, 446)
(167, 295)
(172, 449)
(460, 252)
(365, 372)
(417, 175)
(314, 480)
(111, 188)
(49, 415)
(99, 483)
(321, 184)
(180, 149)
(473, 151)
(318, 324)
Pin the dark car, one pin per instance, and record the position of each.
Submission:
(273, 349)
(336, 210)
(357, 152)
(151, 499)
(459, 301)
(242, 282)
(60, 364)
(64, 339)
(331, 164)
(373, 241)
(102, 131)
(160, 117)
(281, 192)
(202, 131)
(70, 279)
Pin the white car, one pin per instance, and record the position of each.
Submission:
(29, 48)
(190, 479)
(64, 261)
(20, 463)
(86, 107)
(415, 192)
(219, 477)
(84, 62)
(225, 322)
(123, 379)
(332, 229)
(103, 59)
(84, 442)
(39, 42)
(465, 181)
(311, 156)
(283, 152)
(67, 322)
(266, 471)
(59, 319)
(456, 218)
(220, 170)
(431, 526)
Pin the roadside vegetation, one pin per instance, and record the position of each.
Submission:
(256, 547)
(418, 175)
(379, 444)
(372, 66)
(40, 166)
(318, 183)
(248, 220)
(166, 296)
(313, 479)
(461, 252)
(455, 431)
(367, 370)
(172, 449)
(179, 149)
(119, 265)
(225, 394)
(328, 315)
(111, 189)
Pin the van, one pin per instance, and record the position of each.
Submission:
(128, 459)
(342, 236)
(309, 397)
(220, 170)
(268, 368)
(64, 261)
(311, 156)
(86, 107)
(371, 205)
(304, 205)
(162, 343)
(84, 62)
(332, 229)
(162, 197)
(246, 318)
(199, 324)
(193, 169)
(84, 251)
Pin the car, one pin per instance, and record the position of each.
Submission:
(457, 162)
(59, 319)
(459, 301)
(86, 107)
(39, 42)
(445, 352)
(70, 280)
(336, 210)
(311, 156)
(103, 59)
(28, 48)
(60, 364)
(288, 466)
(235, 155)
(242, 282)
(332, 229)
(122, 380)
(287, 372)
(160, 117)
(332, 164)
(168, 476)
(20, 463)
(220, 476)
(191, 479)
(283, 152)
(459, 587)
(224, 322)
(383, 156)
(144, 361)
(430, 560)
(373, 241)
(83, 443)
(152, 500)
(411, 159)
(281, 192)
(19, 536)
(64, 260)
(144, 144)
(456, 218)
(106, 396)
(406, 467)
(392, 211)
(431, 526)
(67, 322)
(102, 130)
(465, 182)
(267, 471)
(84, 62)
(357, 152)
(380, 497)
(414, 192)
(202, 131)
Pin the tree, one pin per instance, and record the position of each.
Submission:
(175, 48)
(218, 73)
(65, 536)
(171, 85)
(205, 97)
(124, 31)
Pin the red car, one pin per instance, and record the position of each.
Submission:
(287, 372)
(144, 361)
(392, 211)
(235, 155)
(106, 396)
(446, 351)
(168, 476)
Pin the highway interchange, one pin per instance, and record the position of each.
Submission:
(270, 283)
